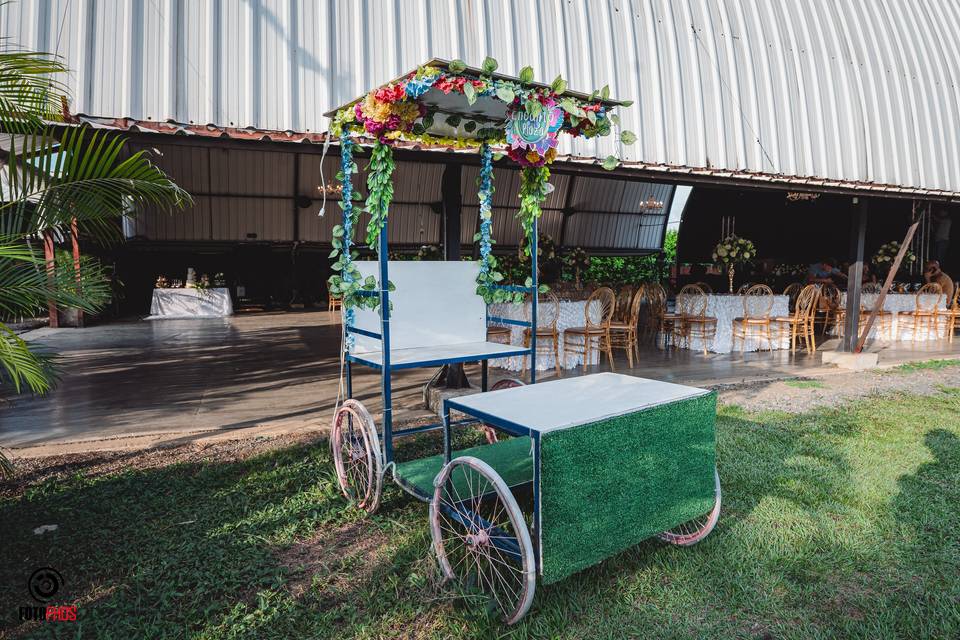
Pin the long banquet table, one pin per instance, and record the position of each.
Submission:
(726, 307)
(895, 329)
(571, 315)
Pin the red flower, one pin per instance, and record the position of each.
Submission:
(448, 84)
(390, 93)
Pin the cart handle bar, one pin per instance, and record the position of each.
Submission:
(364, 332)
(499, 320)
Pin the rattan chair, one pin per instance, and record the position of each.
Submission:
(756, 321)
(800, 322)
(334, 303)
(624, 300)
(595, 332)
(926, 314)
(548, 313)
(499, 334)
(828, 306)
(953, 313)
(707, 289)
(623, 335)
(792, 291)
(657, 322)
(694, 322)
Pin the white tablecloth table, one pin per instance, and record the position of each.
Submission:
(895, 329)
(190, 303)
(571, 315)
(726, 307)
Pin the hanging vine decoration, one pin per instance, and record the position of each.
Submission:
(533, 191)
(346, 281)
(380, 191)
(489, 275)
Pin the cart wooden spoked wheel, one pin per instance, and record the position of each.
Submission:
(356, 455)
(504, 383)
(691, 532)
(480, 536)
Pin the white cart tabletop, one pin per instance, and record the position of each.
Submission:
(571, 402)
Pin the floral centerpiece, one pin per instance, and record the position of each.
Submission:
(887, 253)
(429, 252)
(732, 251)
(578, 260)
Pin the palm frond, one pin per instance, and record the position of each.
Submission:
(87, 179)
(22, 366)
(6, 466)
(29, 93)
(28, 285)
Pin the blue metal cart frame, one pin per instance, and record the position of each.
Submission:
(387, 367)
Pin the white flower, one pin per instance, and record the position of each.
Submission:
(722, 251)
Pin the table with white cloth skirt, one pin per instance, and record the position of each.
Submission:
(726, 307)
(190, 303)
(571, 315)
(894, 329)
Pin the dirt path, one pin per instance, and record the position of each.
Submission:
(797, 396)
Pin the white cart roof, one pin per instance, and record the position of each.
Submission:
(571, 402)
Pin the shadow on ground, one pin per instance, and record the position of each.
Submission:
(835, 523)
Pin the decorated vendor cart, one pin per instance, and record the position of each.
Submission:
(574, 470)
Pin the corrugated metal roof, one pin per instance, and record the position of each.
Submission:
(823, 92)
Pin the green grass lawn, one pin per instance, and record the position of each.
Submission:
(840, 523)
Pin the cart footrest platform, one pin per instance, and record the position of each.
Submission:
(509, 458)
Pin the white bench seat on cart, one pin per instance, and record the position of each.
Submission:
(437, 317)
(424, 356)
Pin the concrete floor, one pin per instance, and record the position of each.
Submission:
(278, 371)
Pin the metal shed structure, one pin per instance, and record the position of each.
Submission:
(848, 94)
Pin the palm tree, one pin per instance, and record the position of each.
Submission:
(56, 179)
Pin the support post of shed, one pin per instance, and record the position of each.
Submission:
(453, 376)
(452, 204)
(49, 259)
(858, 235)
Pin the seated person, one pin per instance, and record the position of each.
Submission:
(824, 272)
(868, 276)
(934, 274)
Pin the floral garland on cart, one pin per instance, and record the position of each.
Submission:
(535, 115)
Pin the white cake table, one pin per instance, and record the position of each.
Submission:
(190, 303)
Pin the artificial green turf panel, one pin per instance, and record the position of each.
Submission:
(510, 458)
(607, 486)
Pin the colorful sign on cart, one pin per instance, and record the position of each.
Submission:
(534, 131)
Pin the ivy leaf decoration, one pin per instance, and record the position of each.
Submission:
(418, 128)
(505, 95)
(469, 126)
(559, 85)
(567, 105)
(427, 122)
(489, 65)
(628, 137)
(605, 92)
(526, 75)
(497, 157)
(610, 163)
(533, 107)
(626, 103)
(457, 66)
(470, 92)
(592, 117)
(454, 119)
